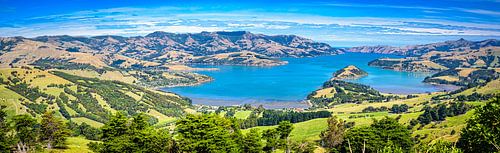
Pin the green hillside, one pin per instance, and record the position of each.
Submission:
(81, 99)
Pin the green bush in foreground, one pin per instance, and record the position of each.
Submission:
(482, 133)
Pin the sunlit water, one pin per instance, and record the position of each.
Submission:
(285, 86)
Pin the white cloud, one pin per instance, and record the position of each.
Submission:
(140, 21)
(481, 11)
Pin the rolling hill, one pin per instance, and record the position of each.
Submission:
(81, 99)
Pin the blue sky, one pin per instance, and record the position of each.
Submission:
(340, 23)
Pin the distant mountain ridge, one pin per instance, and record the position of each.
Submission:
(155, 48)
(416, 50)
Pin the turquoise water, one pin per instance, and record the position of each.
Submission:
(283, 85)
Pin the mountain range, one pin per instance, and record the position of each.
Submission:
(416, 50)
(158, 48)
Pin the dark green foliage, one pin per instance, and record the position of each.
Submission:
(93, 111)
(85, 130)
(252, 142)
(370, 109)
(37, 108)
(476, 78)
(230, 113)
(47, 63)
(440, 112)
(5, 138)
(63, 110)
(31, 93)
(26, 132)
(482, 133)
(397, 109)
(53, 131)
(73, 49)
(123, 135)
(110, 91)
(474, 97)
(284, 129)
(278, 137)
(155, 78)
(206, 133)
(385, 132)
(273, 117)
(347, 92)
(272, 138)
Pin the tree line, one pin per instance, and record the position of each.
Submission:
(440, 112)
(274, 117)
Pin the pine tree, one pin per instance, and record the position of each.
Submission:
(121, 134)
(284, 129)
(206, 133)
(25, 132)
(53, 131)
(252, 142)
(5, 138)
(272, 138)
(334, 134)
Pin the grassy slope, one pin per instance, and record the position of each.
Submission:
(10, 99)
(41, 79)
(90, 122)
(242, 114)
(75, 145)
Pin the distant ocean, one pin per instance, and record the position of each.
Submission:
(288, 85)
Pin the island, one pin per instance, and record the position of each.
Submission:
(349, 72)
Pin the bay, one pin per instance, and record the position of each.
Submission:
(288, 85)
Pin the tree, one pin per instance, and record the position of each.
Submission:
(5, 138)
(85, 130)
(121, 134)
(53, 131)
(205, 133)
(382, 133)
(399, 108)
(252, 142)
(25, 132)
(284, 129)
(334, 134)
(115, 127)
(442, 112)
(482, 133)
(272, 138)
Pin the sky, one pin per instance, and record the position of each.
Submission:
(339, 23)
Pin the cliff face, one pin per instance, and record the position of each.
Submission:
(349, 72)
(159, 48)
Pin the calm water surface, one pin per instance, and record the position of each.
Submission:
(282, 86)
